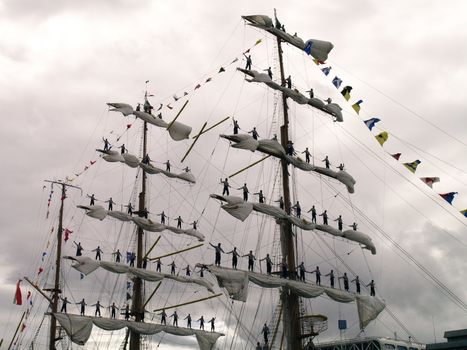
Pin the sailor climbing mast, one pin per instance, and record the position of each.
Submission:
(290, 300)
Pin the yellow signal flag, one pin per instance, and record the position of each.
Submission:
(382, 137)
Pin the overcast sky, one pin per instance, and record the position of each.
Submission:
(61, 61)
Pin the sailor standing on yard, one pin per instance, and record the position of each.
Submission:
(213, 328)
(179, 222)
(113, 307)
(167, 166)
(265, 332)
(251, 260)
(326, 162)
(313, 214)
(331, 278)
(98, 251)
(268, 264)
(248, 62)
(98, 309)
(307, 155)
(93, 198)
(83, 304)
(175, 316)
(318, 275)
(235, 256)
(163, 216)
(236, 127)
(281, 202)
(111, 203)
(188, 321)
(261, 197)
(219, 250)
(325, 217)
(346, 281)
(163, 317)
(254, 133)
(201, 322)
(357, 283)
(225, 190)
(245, 191)
(301, 270)
(79, 248)
(65, 301)
(298, 209)
(339, 222)
(372, 288)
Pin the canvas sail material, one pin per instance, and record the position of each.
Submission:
(79, 329)
(186, 175)
(87, 265)
(236, 284)
(241, 210)
(274, 148)
(331, 108)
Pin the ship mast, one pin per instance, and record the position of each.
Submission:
(137, 305)
(56, 290)
(290, 301)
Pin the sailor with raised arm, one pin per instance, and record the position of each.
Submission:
(248, 62)
(281, 202)
(163, 216)
(331, 278)
(357, 283)
(167, 166)
(298, 209)
(268, 264)
(245, 191)
(301, 271)
(307, 155)
(163, 317)
(213, 328)
(324, 214)
(106, 144)
(254, 133)
(112, 308)
(194, 224)
(188, 321)
(82, 304)
(312, 94)
(146, 159)
(93, 198)
(111, 203)
(235, 256)
(225, 190)
(354, 226)
(269, 72)
(130, 208)
(187, 169)
(118, 255)
(372, 288)
(219, 250)
(346, 281)
(188, 270)
(98, 251)
(236, 127)
(98, 308)
(172, 267)
(201, 322)
(64, 302)
(341, 167)
(79, 248)
(339, 222)
(179, 222)
(326, 162)
(175, 316)
(313, 214)
(318, 275)
(251, 260)
(147, 106)
(261, 197)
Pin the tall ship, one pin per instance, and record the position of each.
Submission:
(227, 231)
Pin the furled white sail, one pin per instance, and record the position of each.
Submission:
(123, 108)
(319, 49)
(94, 211)
(79, 329)
(236, 284)
(87, 265)
(239, 209)
(186, 176)
(332, 108)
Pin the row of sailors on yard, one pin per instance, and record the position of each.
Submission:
(128, 313)
(296, 207)
(284, 270)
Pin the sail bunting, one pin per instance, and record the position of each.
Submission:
(241, 210)
(236, 284)
(99, 212)
(318, 49)
(79, 329)
(331, 108)
(274, 148)
(177, 131)
(87, 265)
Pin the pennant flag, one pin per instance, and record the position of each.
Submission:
(259, 41)
(160, 107)
(176, 98)
(247, 51)
(235, 60)
(337, 82)
(346, 92)
(318, 62)
(29, 295)
(307, 48)
(18, 299)
(208, 80)
(221, 69)
(40, 271)
(43, 255)
(448, 197)
(81, 276)
(430, 180)
(92, 162)
(197, 86)
(356, 106)
(412, 166)
(382, 137)
(326, 70)
(23, 326)
(169, 106)
(370, 123)
(396, 156)
(186, 93)
(464, 212)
